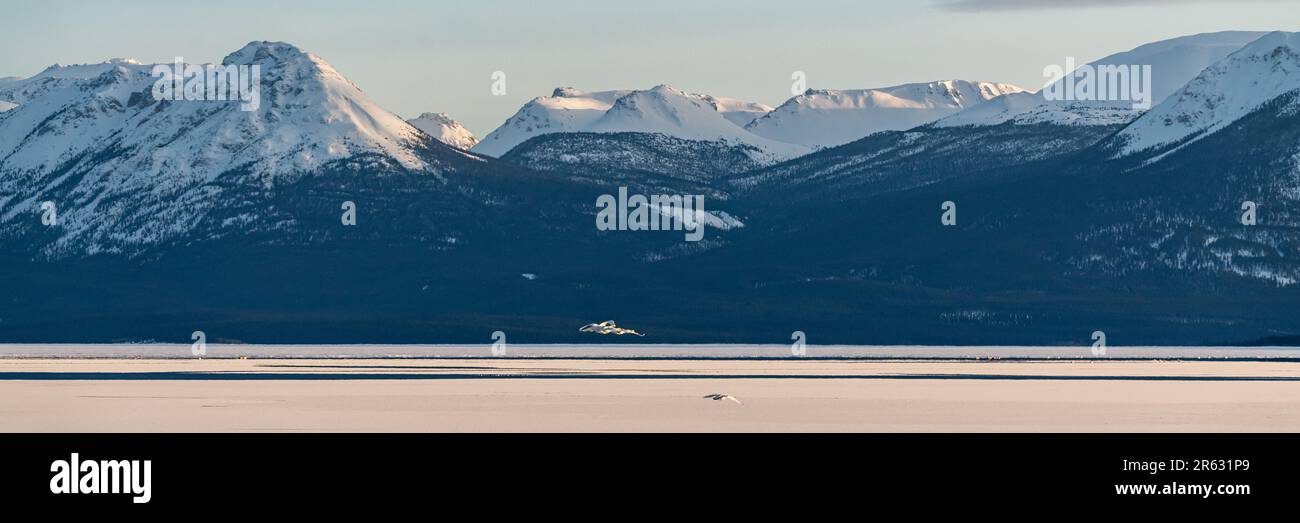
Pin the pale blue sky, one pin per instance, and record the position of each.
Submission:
(426, 55)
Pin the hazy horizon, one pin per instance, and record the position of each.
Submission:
(413, 57)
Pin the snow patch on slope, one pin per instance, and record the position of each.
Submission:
(1031, 108)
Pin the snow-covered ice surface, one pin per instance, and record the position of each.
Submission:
(635, 351)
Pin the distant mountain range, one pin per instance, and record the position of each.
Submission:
(1071, 217)
(826, 118)
(662, 110)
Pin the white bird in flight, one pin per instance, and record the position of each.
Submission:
(720, 397)
(607, 327)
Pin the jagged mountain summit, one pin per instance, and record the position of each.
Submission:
(18, 90)
(826, 118)
(662, 109)
(1221, 94)
(445, 129)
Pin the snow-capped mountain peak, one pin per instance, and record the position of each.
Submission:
(661, 109)
(828, 117)
(665, 109)
(1223, 93)
(566, 110)
(116, 142)
(668, 110)
(445, 129)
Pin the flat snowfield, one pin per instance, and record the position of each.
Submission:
(597, 395)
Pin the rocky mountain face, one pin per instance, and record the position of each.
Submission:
(651, 162)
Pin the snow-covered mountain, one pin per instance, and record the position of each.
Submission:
(662, 109)
(445, 129)
(126, 169)
(1221, 94)
(826, 118)
(1176, 61)
(667, 110)
(565, 110)
(1173, 63)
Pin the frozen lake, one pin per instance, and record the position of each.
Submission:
(646, 395)
(636, 351)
